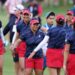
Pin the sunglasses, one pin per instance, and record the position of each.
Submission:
(36, 24)
(69, 14)
(26, 14)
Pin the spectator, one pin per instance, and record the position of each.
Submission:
(65, 2)
(10, 4)
(2, 1)
(47, 2)
(11, 28)
(35, 9)
(74, 2)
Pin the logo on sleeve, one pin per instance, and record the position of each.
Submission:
(39, 36)
(65, 40)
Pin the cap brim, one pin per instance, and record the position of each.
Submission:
(69, 14)
(34, 22)
(26, 12)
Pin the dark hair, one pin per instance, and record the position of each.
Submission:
(35, 19)
(74, 25)
(31, 1)
(0, 24)
(50, 14)
(60, 21)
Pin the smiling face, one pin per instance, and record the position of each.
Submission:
(35, 26)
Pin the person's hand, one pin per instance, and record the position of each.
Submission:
(31, 55)
(6, 43)
(44, 29)
(4, 50)
(64, 67)
(12, 48)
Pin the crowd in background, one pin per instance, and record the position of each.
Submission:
(47, 2)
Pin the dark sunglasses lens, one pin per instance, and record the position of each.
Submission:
(37, 24)
(26, 14)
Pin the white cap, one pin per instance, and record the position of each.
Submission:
(18, 7)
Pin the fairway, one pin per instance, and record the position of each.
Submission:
(8, 61)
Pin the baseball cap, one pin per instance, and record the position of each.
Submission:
(18, 7)
(60, 16)
(60, 19)
(26, 11)
(49, 14)
(34, 21)
(69, 12)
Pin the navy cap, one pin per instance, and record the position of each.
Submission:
(50, 14)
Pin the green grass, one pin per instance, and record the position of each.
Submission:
(8, 62)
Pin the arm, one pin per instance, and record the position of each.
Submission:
(67, 47)
(15, 33)
(45, 40)
(2, 36)
(66, 52)
(44, 29)
(14, 40)
(7, 6)
(12, 47)
(18, 30)
(9, 25)
(1, 31)
(6, 29)
(17, 42)
(15, 37)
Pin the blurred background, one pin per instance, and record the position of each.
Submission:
(46, 2)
